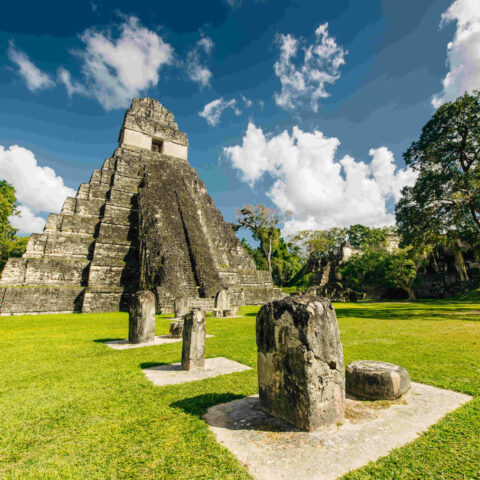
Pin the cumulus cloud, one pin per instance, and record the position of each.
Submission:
(118, 68)
(26, 221)
(33, 76)
(463, 52)
(196, 70)
(213, 110)
(305, 80)
(320, 190)
(37, 188)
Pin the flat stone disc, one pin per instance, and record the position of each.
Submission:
(376, 380)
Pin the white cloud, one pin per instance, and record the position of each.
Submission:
(306, 81)
(117, 69)
(213, 110)
(72, 86)
(27, 222)
(37, 188)
(33, 76)
(247, 102)
(198, 72)
(320, 190)
(463, 52)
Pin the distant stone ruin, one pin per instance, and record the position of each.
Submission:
(143, 222)
(300, 362)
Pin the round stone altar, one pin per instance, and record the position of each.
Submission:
(376, 380)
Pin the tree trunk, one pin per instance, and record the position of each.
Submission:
(476, 221)
(411, 294)
(269, 256)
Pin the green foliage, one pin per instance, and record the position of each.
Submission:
(262, 222)
(280, 258)
(446, 196)
(87, 411)
(323, 243)
(319, 243)
(381, 264)
(286, 262)
(10, 245)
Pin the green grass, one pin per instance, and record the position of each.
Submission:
(72, 408)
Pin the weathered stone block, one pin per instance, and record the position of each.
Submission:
(376, 380)
(142, 318)
(194, 334)
(222, 300)
(180, 307)
(300, 362)
(176, 329)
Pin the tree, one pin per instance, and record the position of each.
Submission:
(380, 266)
(319, 243)
(401, 268)
(262, 222)
(10, 245)
(446, 195)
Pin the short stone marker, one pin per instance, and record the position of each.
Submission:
(300, 362)
(141, 321)
(194, 332)
(174, 374)
(376, 380)
(180, 307)
(176, 329)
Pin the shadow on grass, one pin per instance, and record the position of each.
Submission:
(152, 364)
(199, 405)
(103, 340)
(407, 314)
(243, 414)
(250, 314)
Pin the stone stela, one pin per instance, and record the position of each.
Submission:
(300, 362)
(141, 322)
(143, 222)
(180, 307)
(193, 346)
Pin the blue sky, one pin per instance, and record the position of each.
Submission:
(307, 106)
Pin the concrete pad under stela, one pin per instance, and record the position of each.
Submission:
(160, 340)
(173, 373)
(271, 449)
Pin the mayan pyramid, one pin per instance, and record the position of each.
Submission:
(144, 221)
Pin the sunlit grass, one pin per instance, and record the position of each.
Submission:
(72, 408)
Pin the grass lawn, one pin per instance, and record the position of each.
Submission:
(72, 408)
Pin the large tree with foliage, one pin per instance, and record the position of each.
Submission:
(446, 196)
(263, 223)
(383, 265)
(10, 245)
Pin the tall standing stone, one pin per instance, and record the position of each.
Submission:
(141, 322)
(180, 307)
(194, 334)
(300, 362)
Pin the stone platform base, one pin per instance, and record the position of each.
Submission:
(271, 449)
(160, 340)
(172, 374)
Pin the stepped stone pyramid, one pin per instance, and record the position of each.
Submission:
(144, 221)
